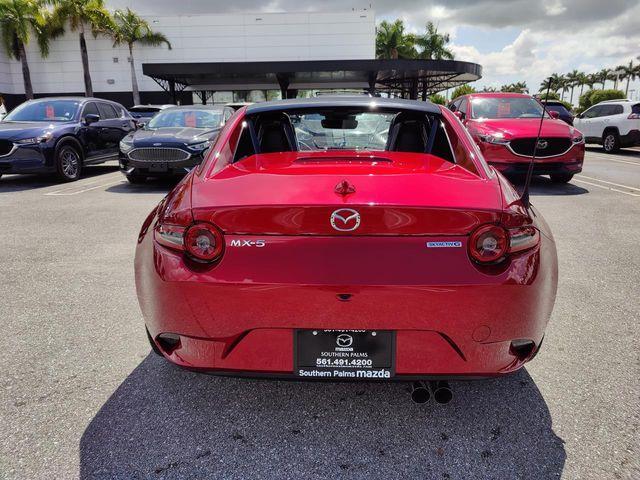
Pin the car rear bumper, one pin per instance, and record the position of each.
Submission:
(510, 164)
(631, 139)
(447, 329)
(25, 159)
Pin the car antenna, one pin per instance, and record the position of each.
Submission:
(525, 192)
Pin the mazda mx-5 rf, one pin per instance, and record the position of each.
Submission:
(346, 238)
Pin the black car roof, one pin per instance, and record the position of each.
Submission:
(359, 102)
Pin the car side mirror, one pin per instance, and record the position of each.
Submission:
(141, 125)
(578, 115)
(90, 118)
(459, 114)
(554, 114)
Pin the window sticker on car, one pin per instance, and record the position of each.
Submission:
(504, 109)
(190, 120)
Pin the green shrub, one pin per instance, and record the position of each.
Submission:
(592, 97)
(437, 99)
(462, 90)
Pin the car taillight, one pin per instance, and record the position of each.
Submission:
(492, 243)
(170, 236)
(523, 238)
(203, 242)
(634, 116)
(488, 244)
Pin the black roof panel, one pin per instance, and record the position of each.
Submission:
(343, 102)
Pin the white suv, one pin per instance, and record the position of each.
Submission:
(612, 123)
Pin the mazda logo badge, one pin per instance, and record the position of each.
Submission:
(542, 144)
(344, 340)
(345, 220)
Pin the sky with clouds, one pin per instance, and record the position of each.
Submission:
(513, 40)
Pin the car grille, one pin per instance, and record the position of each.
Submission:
(554, 146)
(5, 147)
(158, 154)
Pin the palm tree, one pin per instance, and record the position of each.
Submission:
(392, 42)
(629, 72)
(547, 83)
(81, 14)
(19, 19)
(433, 45)
(129, 29)
(572, 79)
(582, 80)
(603, 76)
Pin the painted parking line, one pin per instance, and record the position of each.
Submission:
(604, 187)
(609, 183)
(81, 184)
(63, 193)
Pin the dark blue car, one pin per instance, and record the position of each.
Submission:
(62, 135)
(173, 142)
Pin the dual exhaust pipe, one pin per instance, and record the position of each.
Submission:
(421, 392)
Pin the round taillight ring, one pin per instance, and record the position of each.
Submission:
(203, 242)
(488, 244)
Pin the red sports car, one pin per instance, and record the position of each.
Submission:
(505, 126)
(346, 238)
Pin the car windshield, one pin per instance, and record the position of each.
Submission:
(506, 107)
(186, 118)
(358, 131)
(44, 111)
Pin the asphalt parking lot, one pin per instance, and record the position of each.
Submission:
(82, 397)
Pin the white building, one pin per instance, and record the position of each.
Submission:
(194, 38)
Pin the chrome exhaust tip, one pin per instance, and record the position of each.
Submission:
(420, 392)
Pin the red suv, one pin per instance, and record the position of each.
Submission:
(505, 126)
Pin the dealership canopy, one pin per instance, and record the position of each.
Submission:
(410, 78)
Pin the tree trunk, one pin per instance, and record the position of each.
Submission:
(88, 88)
(26, 74)
(394, 53)
(571, 100)
(581, 89)
(626, 92)
(134, 80)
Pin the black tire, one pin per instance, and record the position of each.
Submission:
(154, 347)
(610, 141)
(136, 179)
(68, 162)
(561, 177)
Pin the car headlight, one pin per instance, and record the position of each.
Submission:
(35, 140)
(126, 145)
(495, 138)
(578, 139)
(197, 147)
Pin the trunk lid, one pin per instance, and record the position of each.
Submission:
(394, 193)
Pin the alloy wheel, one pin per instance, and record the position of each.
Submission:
(609, 142)
(70, 163)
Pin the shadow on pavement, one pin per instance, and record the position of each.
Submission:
(152, 185)
(163, 422)
(624, 152)
(19, 183)
(542, 186)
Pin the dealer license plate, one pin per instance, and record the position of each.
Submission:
(344, 354)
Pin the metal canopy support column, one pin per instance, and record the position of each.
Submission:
(283, 81)
(172, 91)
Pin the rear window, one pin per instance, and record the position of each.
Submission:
(558, 108)
(635, 108)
